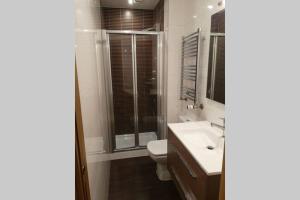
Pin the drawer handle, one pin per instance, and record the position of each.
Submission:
(190, 197)
(179, 181)
(191, 172)
(187, 195)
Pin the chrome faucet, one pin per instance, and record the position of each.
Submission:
(219, 126)
(195, 106)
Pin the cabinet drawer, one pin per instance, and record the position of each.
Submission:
(178, 174)
(193, 185)
(196, 182)
(189, 185)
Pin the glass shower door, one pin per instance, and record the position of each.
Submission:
(134, 89)
(121, 59)
(146, 67)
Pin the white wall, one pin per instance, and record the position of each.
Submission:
(174, 29)
(185, 17)
(92, 93)
(99, 179)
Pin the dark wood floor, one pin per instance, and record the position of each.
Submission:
(136, 179)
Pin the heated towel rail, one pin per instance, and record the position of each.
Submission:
(189, 63)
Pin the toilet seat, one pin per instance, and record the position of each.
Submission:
(158, 152)
(158, 148)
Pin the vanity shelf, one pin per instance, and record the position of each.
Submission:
(190, 179)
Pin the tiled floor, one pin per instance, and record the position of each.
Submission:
(135, 179)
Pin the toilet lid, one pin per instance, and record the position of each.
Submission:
(158, 147)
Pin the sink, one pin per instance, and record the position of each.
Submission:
(205, 143)
(201, 137)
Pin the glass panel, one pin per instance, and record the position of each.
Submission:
(122, 85)
(219, 89)
(146, 60)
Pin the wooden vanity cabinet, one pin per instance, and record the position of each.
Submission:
(192, 182)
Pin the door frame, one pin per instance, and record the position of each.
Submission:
(82, 188)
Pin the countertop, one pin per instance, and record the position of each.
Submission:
(209, 160)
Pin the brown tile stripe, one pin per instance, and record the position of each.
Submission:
(218, 22)
(159, 15)
(127, 19)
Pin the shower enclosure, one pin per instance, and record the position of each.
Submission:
(134, 87)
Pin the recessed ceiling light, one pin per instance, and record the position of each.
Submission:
(195, 16)
(210, 7)
(127, 14)
(130, 2)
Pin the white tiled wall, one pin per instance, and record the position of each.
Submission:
(92, 93)
(174, 29)
(185, 17)
(98, 179)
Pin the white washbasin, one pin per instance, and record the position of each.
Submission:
(205, 143)
(199, 140)
(202, 137)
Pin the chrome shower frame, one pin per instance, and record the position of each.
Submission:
(161, 86)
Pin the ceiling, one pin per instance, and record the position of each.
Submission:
(144, 4)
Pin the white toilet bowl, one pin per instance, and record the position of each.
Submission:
(158, 152)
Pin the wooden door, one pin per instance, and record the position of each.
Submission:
(222, 186)
(81, 173)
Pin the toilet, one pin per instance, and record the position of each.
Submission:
(158, 152)
(158, 149)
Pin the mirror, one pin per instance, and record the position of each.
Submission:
(216, 63)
